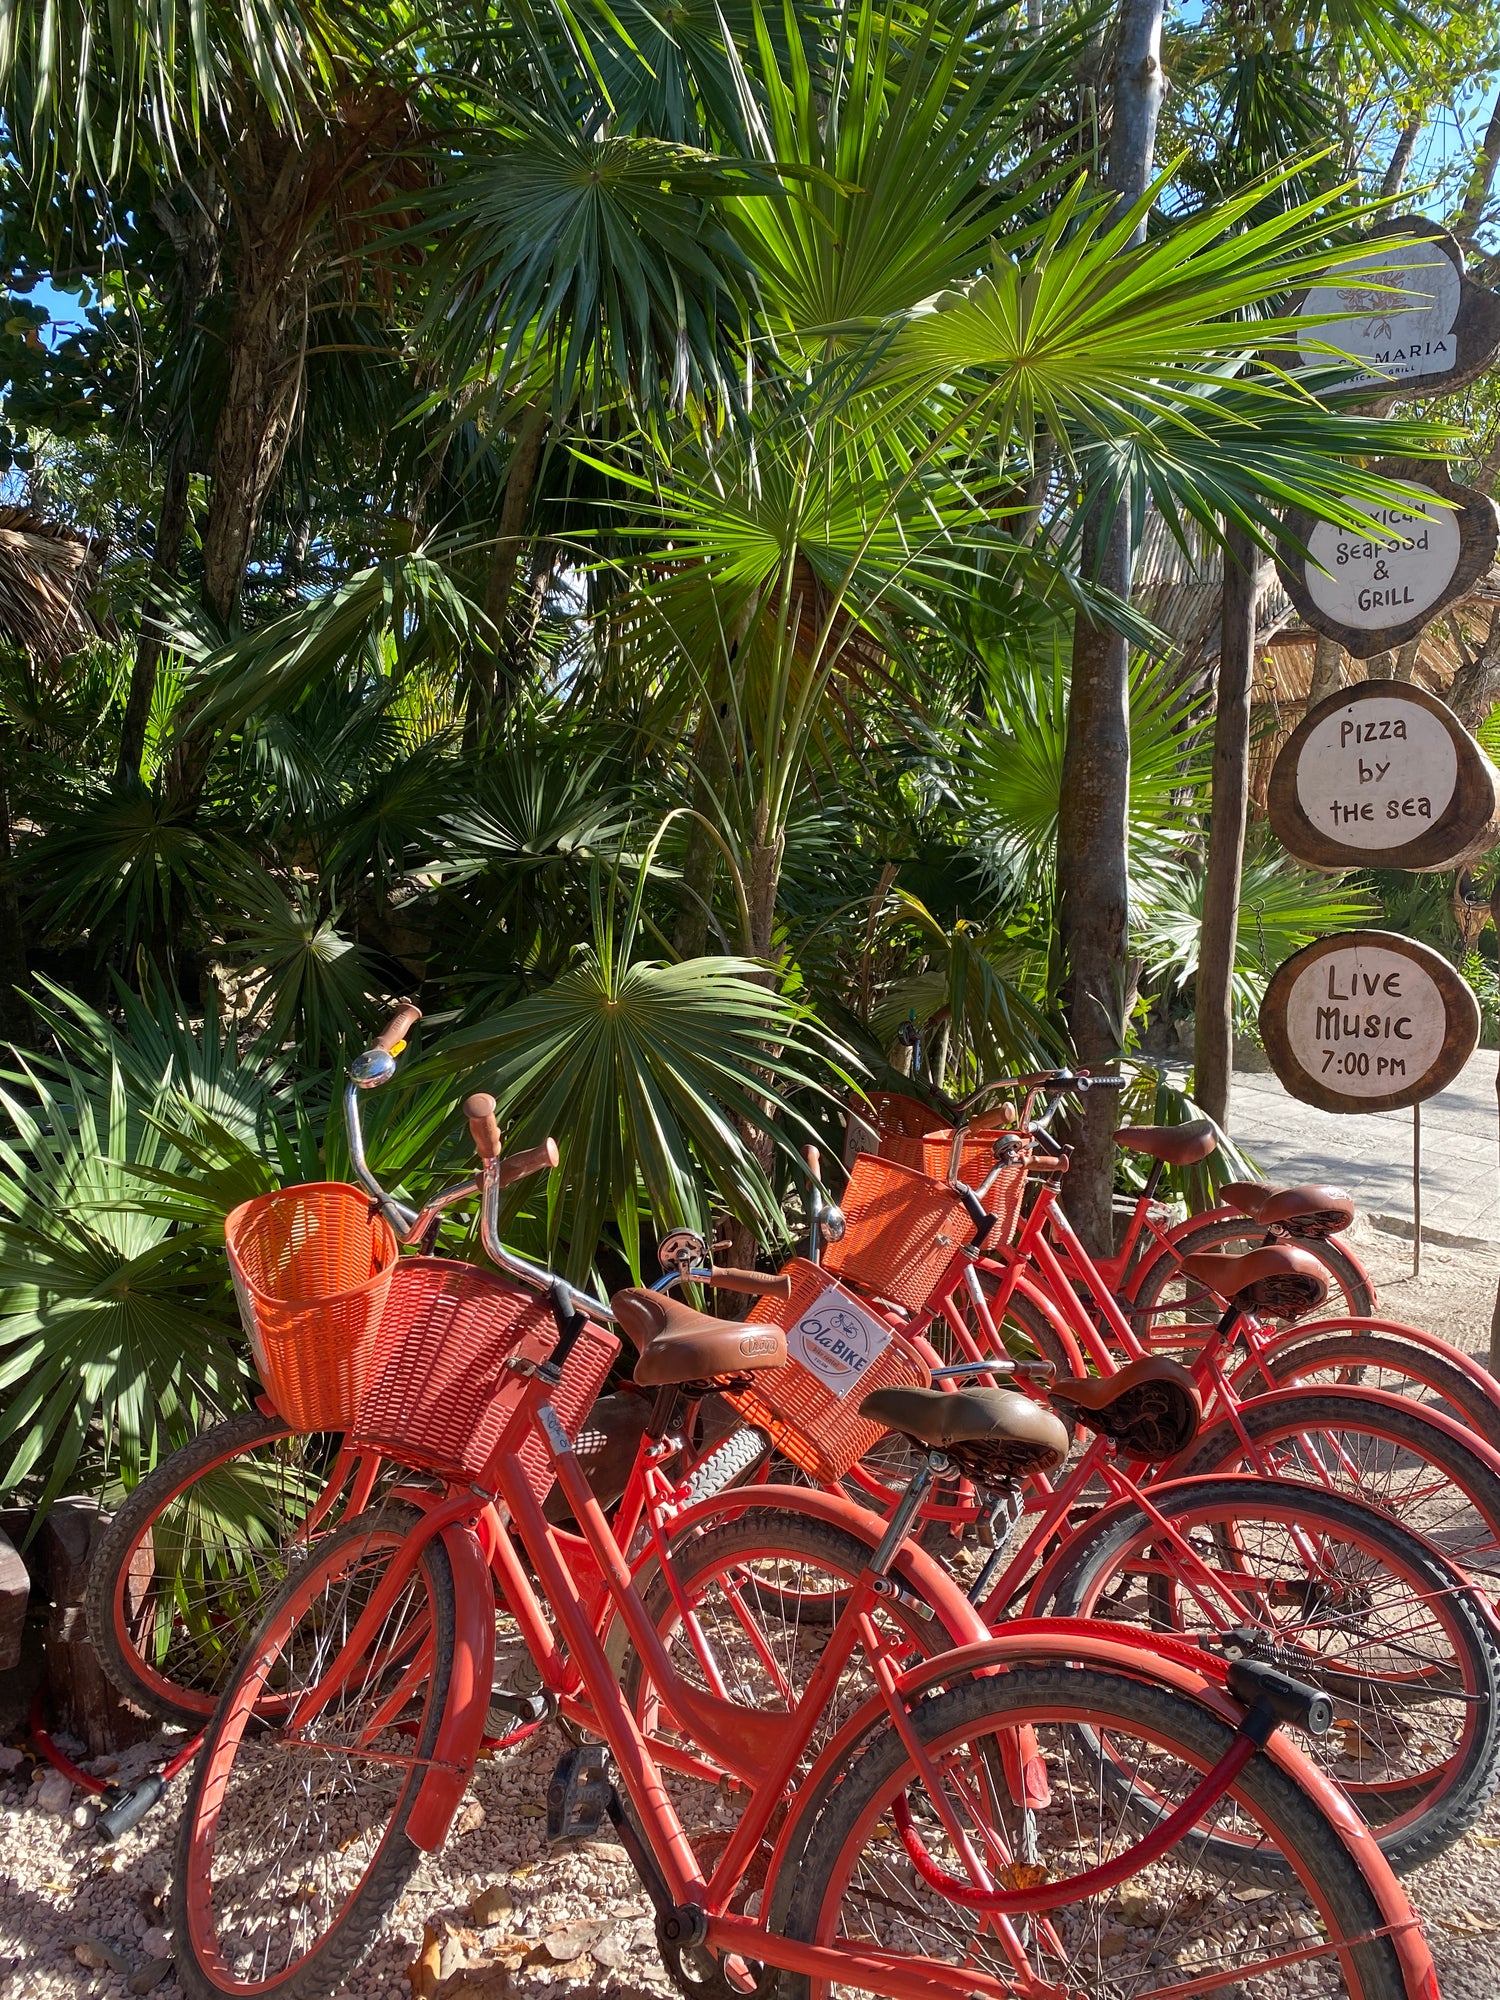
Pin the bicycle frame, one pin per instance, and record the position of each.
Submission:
(760, 1750)
(1038, 1267)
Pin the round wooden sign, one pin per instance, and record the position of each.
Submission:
(1407, 313)
(1382, 775)
(1369, 1021)
(1380, 587)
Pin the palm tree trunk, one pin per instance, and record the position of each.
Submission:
(1213, 1038)
(1400, 160)
(1093, 875)
(765, 882)
(495, 671)
(1328, 670)
(171, 528)
(266, 350)
(15, 1015)
(1092, 850)
(700, 862)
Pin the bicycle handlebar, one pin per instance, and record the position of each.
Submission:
(765, 1284)
(1063, 1081)
(375, 1068)
(392, 1037)
(483, 1128)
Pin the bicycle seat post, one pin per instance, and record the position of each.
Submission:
(933, 1466)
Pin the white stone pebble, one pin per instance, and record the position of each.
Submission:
(533, 1924)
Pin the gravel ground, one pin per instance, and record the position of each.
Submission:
(495, 1914)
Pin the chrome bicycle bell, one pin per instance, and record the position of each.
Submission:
(370, 1070)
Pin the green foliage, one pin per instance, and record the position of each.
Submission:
(837, 342)
(117, 1326)
(649, 1076)
(1012, 769)
(1282, 908)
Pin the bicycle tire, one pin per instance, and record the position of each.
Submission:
(1356, 1351)
(237, 1754)
(169, 1675)
(764, 1535)
(1424, 1632)
(1464, 1528)
(852, 1867)
(1142, 1296)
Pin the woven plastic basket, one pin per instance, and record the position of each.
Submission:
(441, 1394)
(903, 1123)
(838, 1350)
(901, 1230)
(311, 1268)
(976, 1163)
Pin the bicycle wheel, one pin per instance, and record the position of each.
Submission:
(1190, 1920)
(292, 1844)
(1168, 1309)
(1436, 1479)
(184, 1571)
(1403, 1363)
(1343, 1598)
(763, 1592)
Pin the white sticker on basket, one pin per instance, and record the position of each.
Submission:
(837, 1342)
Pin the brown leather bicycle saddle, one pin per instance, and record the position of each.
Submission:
(992, 1435)
(1279, 1280)
(1313, 1210)
(1175, 1145)
(680, 1345)
(1150, 1407)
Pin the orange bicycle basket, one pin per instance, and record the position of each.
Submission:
(838, 1350)
(902, 1123)
(441, 1393)
(976, 1163)
(901, 1230)
(311, 1268)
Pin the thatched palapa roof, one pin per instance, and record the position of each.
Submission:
(46, 575)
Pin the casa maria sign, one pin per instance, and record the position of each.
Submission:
(1404, 313)
(1382, 583)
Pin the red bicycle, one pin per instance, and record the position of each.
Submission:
(955, 1830)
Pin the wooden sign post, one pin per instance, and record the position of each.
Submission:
(1382, 775)
(1370, 1021)
(1379, 588)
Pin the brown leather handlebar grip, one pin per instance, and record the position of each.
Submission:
(769, 1284)
(814, 1161)
(535, 1160)
(396, 1030)
(480, 1112)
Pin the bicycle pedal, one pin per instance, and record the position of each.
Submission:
(508, 1711)
(579, 1794)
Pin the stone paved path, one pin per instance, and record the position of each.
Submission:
(1370, 1154)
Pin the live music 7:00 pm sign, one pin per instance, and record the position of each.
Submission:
(1369, 1021)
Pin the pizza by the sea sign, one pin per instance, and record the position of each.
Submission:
(1369, 1021)
(1382, 775)
(1404, 313)
(1382, 582)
